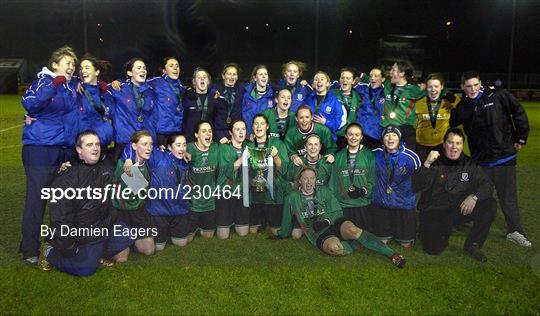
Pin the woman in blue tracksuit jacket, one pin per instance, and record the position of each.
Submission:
(200, 103)
(169, 91)
(371, 108)
(292, 71)
(258, 96)
(326, 108)
(393, 201)
(50, 103)
(230, 95)
(133, 106)
(169, 213)
(94, 102)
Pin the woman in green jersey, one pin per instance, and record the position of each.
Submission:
(202, 175)
(321, 219)
(131, 211)
(354, 177)
(267, 162)
(229, 208)
(400, 102)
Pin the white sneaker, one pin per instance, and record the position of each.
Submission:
(31, 260)
(519, 239)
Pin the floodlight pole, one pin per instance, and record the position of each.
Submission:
(512, 35)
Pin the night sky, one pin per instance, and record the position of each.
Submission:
(211, 33)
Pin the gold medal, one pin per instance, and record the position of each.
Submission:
(351, 188)
(392, 115)
(229, 120)
(389, 190)
(177, 109)
(140, 118)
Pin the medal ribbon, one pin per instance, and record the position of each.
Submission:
(99, 108)
(390, 171)
(433, 112)
(139, 99)
(351, 167)
(203, 107)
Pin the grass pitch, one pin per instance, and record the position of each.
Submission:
(252, 275)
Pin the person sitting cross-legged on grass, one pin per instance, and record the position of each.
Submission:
(320, 216)
(453, 190)
(91, 222)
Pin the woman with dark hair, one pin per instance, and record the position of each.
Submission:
(200, 103)
(169, 91)
(50, 102)
(229, 210)
(133, 106)
(400, 102)
(433, 115)
(371, 108)
(231, 92)
(94, 101)
(258, 95)
(203, 170)
(267, 160)
(354, 177)
(321, 219)
(350, 99)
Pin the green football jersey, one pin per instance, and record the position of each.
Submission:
(202, 175)
(294, 140)
(228, 154)
(323, 167)
(400, 104)
(279, 127)
(280, 185)
(309, 209)
(359, 172)
(133, 202)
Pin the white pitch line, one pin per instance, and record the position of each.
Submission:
(11, 146)
(12, 127)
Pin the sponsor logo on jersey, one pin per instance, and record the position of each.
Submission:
(402, 170)
(203, 169)
(488, 104)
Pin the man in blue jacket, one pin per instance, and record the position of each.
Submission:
(51, 103)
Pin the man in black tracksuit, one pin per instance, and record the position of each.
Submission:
(453, 190)
(80, 253)
(497, 127)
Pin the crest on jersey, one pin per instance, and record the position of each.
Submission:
(299, 97)
(328, 109)
(464, 176)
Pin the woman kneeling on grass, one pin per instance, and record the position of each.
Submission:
(132, 210)
(321, 218)
(168, 208)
